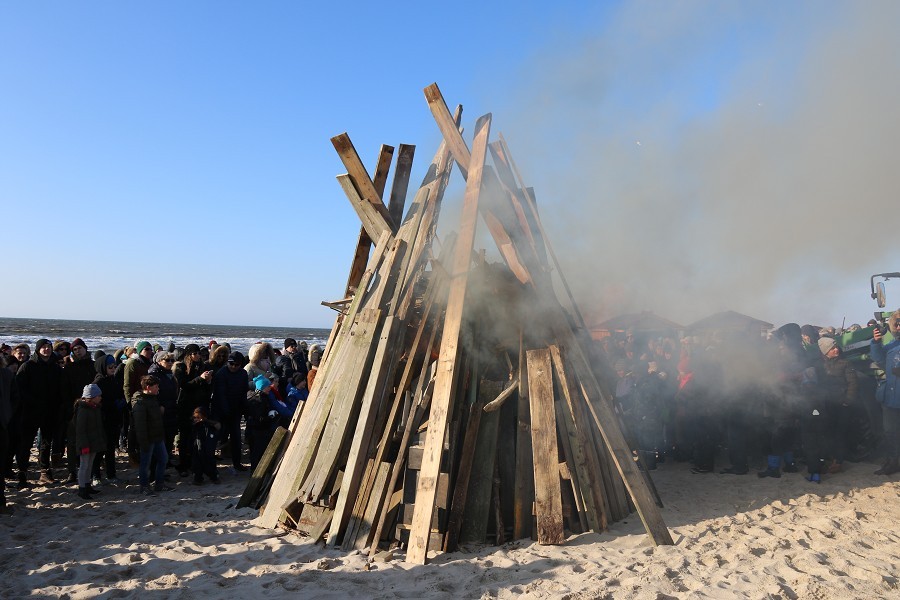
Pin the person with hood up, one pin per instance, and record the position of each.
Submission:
(887, 356)
(150, 434)
(195, 388)
(38, 380)
(79, 372)
(230, 387)
(263, 410)
(262, 360)
(838, 383)
(288, 364)
(112, 407)
(89, 436)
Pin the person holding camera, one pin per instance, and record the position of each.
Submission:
(887, 356)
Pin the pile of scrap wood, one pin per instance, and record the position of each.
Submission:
(457, 400)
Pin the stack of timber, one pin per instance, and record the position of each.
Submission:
(457, 400)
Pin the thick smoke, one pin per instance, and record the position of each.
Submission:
(697, 157)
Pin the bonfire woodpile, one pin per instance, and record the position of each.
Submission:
(457, 400)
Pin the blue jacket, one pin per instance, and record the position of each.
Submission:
(888, 358)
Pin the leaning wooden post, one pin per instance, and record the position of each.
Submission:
(446, 380)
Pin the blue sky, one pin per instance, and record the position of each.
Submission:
(171, 161)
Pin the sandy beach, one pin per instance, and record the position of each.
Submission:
(736, 537)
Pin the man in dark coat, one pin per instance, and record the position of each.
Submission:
(9, 401)
(79, 372)
(230, 387)
(167, 398)
(38, 380)
(290, 362)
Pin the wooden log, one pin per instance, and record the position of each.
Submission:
(372, 221)
(569, 471)
(547, 494)
(445, 385)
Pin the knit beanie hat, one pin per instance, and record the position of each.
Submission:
(288, 342)
(41, 343)
(261, 382)
(191, 348)
(91, 390)
(78, 342)
(110, 360)
(826, 344)
(141, 345)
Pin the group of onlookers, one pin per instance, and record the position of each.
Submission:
(790, 396)
(155, 404)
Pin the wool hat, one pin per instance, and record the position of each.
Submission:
(141, 345)
(161, 356)
(261, 382)
(41, 343)
(62, 346)
(110, 360)
(236, 358)
(826, 344)
(91, 390)
(191, 348)
(77, 342)
(288, 342)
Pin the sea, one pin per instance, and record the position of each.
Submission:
(109, 336)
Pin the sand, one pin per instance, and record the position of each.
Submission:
(735, 537)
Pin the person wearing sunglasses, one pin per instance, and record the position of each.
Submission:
(168, 398)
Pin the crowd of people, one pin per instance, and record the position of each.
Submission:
(790, 397)
(167, 408)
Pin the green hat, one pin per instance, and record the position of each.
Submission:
(140, 346)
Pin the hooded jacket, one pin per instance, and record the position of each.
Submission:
(148, 419)
(194, 391)
(168, 394)
(113, 397)
(258, 353)
(75, 376)
(89, 427)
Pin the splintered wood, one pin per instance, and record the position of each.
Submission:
(458, 399)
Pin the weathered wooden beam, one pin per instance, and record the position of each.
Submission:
(360, 178)
(263, 468)
(481, 480)
(401, 182)
(445, 385)
(372, 221)
(547, 493)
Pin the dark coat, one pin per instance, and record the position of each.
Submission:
(135, 368)
(9, 397)
(39, 382)
(229, 393)
(113, 402)
(193, 390)
(75, 376)
(168, 395)
(147, 417)
(89, 431)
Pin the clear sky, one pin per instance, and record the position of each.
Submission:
(171, 161)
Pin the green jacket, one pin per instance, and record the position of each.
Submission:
(147, 415)
(89, 428)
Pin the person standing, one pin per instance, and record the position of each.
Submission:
(112, 408)
(89, 436)
(167, 398)
(38, 380)
(195, 384)
(78, 372)
(9, 401)
(839, 384)
(136, 367)
(887, 356)
(150, 434)
(230, 387)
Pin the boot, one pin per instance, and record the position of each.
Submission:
(84, 494)
(773, 468)
(889, 468)
(46, 477)
(789, 465)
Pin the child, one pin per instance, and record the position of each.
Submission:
(203, 455)
(90, 438)
(297, 391)
(266, 411)
(147, 416)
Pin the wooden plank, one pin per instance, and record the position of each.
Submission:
(383, 367)
(372, 221)
(364, 184)
(264, 468)
(445, 385)
(481, 481)
(382, 169)
(547, 493)
(449, 128)
(401, 182)
(463, 473)
(322, 526)
(586, 464)
(524, 490)
(568, 470)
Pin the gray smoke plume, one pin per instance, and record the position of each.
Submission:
(697, 157)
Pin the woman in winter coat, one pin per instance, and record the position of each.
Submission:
(194, 390)
(262, 360)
